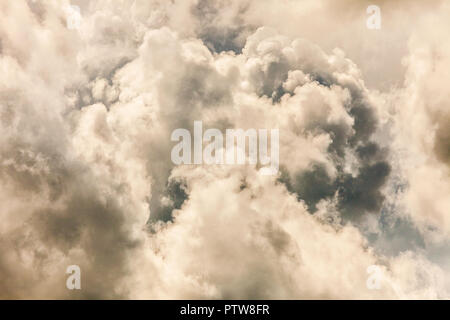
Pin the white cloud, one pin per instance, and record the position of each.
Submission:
(85, 170)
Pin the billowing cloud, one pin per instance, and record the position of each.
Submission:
(86, 176)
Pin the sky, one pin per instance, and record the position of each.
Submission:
(91, 92)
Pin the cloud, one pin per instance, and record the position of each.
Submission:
(85, 169)
(421, 128)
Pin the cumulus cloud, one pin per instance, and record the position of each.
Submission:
(86, 176)
(421, 120)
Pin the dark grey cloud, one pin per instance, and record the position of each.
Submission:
(442, 140)
(176, 193)
(217, 34)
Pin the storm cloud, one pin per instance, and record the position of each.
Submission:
(86, 115)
